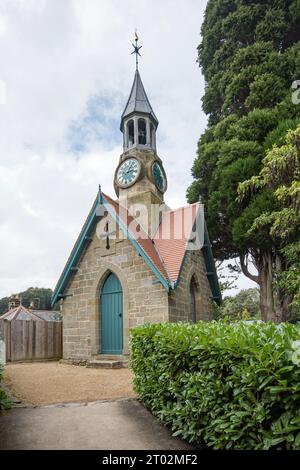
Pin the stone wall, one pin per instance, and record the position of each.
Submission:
(144, 298)
(179, 299)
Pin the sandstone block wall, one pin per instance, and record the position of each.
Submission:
(179, 299)
(144, 299)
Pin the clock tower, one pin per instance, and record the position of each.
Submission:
(140, 180)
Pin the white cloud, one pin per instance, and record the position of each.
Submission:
(56, 58)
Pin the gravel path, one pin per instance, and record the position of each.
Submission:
(44, 383)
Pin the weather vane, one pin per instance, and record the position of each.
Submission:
(136, 50)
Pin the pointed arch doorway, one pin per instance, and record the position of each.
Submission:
(111, 304)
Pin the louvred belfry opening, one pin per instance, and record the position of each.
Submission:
(138, 121)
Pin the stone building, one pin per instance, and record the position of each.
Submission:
(135, 260)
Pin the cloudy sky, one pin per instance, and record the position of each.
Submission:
(65, 76)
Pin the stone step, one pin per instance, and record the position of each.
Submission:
(107, 364)
(110, 357)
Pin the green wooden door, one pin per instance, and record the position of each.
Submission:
(111, 316)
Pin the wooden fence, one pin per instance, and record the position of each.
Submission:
(32, 340)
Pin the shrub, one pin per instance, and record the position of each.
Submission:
(225, 386)
(5, 402)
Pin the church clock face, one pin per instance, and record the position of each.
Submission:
(159, 177)
(128, 172)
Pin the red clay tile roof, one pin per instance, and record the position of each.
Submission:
(173, 235)
(168, 247)
(143, 239)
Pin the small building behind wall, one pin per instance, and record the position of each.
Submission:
(31, 334)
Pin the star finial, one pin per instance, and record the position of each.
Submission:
(136, 50)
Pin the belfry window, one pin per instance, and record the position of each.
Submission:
(130, 133)
(142, 131)
(152, 135)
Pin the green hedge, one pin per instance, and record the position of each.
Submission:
(225, 386)
(5, 402)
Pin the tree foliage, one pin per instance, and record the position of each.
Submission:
(29, 294)
(242, 306)
(250, 56)
(280, 174)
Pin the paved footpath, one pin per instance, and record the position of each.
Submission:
(123, 424)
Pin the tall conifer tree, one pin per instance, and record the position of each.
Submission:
(250, 56)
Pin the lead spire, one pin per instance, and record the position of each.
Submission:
(136, 50)
(138, 121)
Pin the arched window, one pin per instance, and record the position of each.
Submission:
(130, 133)
(142, 131)
(193, 301)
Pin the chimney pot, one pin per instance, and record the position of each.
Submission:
(14, 301)
(35, 304)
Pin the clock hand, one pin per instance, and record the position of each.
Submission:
(130, 170)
